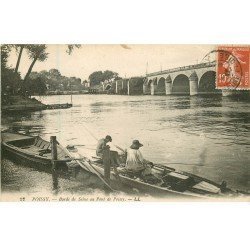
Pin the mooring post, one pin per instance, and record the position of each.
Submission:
(106, 163)
(53, 143)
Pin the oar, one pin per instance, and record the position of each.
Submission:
(115, 170)
(120, 148)
(91, 166)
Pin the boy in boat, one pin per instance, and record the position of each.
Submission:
(135, 161)
(102, 145)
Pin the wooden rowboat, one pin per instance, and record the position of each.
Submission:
(165, 181)
(32, 150)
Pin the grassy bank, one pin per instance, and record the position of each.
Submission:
(21, 104)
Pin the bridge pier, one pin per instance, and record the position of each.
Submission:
(152, 89)
(153, 86)
(168, 85)
(146, 89)
(193, 84)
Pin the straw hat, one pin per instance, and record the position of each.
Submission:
(136, 144)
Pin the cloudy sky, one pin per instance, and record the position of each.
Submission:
(127, 60)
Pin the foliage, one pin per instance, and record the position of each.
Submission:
(37, 51)
(35, 86)
(98, 77)
(5, 50)
(10, 80)
(34, 82)
(71, 48)
(54, 72)
(55, 81)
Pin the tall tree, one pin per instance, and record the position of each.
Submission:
(36, 52)
(19, 49)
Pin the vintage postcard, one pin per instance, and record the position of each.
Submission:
(125, 122)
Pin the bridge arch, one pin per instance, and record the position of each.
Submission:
(161, 87)
(149, 82)
(147, 87)
(207, 83)
(181, 85)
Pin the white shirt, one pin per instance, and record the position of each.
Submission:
(134, 160)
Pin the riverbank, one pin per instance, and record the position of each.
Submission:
(21, 104)
(24, 104)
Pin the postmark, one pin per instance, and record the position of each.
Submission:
(232, 66)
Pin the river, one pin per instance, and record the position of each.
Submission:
(207, 136)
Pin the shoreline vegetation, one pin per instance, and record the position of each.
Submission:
(26, 104)
(19, 103)
(16, 91)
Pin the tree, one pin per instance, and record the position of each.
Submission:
(36, 53)
(10, 80)
(54, 72)
(109, 75)
(19, 49)
(35, 86)
(98, 76)
(5, 50)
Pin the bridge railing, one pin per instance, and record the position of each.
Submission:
(194, 66)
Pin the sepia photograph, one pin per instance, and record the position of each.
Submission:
(125, 122)
(125, 125)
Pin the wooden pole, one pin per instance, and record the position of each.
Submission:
(106, 163)
(53, 160)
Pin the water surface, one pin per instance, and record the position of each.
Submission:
(207, 136)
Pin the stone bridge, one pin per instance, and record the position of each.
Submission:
(126, 86)
(187, 80)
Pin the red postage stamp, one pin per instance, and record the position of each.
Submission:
(233, 67)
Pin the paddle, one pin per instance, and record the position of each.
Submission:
(89, 164)
(120, 148)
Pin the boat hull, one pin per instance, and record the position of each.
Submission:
(129, 185)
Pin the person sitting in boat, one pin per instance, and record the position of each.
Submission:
(102, 145)
(135, 161)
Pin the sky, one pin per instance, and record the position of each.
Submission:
(126, 60)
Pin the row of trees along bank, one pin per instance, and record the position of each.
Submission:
(11, 81)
